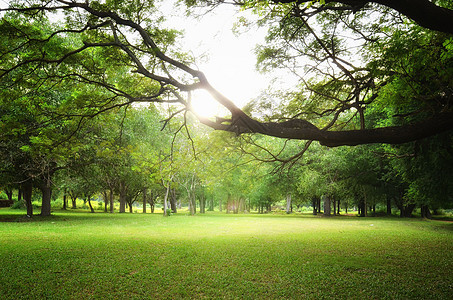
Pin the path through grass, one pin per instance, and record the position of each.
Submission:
(124, 256)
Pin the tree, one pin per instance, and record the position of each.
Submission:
(100, 29)
(361, 80)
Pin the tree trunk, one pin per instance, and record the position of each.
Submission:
(327, 206)
(111, 201)
(46, 191)
(151, 202)
(73, 201)
(122, 197)
(27, 189)
(236, 206)
(89, 203)
(192, 204)
(202, 204)
(334, 206)
(173, 201)
(406, 210)
(425, 212)
(389, 206)
(166, 199)
(220, 204)
(315, 206)
(211, 204)
(338, 206)
(288, 203)
(106, 200)
(362, 207)
(230, 205)
(122, 203)
(144, 201)
(64, 200)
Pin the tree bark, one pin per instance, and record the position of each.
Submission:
(192, 204)
(122, 203)
(89, 203)
(338, 206)
(166, 199)
(423, 12)
(201, 200)
(144, 201)
(122, 197)
(151, 202)
(362, 206)
(386, 135)
(315, 206)
(406, 210)
(327, 208)
(74, 202)
(106, 200)
(288, 203)
(211, 204)
(65, 200)
(130, 207)
(27, 189)
(111, 201)
(46, 191)
(389, 205)
(425, 212)
(173, 201)
(334, 202)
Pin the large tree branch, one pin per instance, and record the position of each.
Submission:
(303, 130)
(423, 12)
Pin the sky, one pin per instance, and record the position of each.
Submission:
(228, 60)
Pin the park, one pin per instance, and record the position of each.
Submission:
(80, 255)
(238, 149)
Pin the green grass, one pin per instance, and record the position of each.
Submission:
(76, 255)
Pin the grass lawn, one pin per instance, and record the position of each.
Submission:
(77, 255)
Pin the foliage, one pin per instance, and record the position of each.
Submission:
(68, 88)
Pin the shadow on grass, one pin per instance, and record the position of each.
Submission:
(443, 218)
(20, 216)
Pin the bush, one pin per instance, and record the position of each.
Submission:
(21, 205)
(58, 203)
(3, 195)
(18, 205)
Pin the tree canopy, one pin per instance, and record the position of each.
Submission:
(86, 86)
(368, 53)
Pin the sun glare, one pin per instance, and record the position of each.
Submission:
(204, 105)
